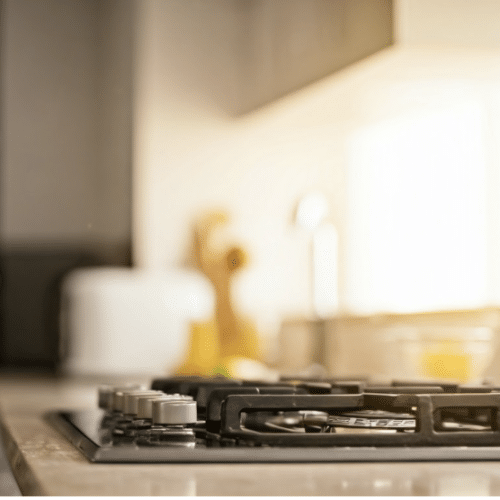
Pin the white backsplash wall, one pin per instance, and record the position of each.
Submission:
(189, 156)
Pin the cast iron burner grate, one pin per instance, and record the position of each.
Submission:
(195, 419)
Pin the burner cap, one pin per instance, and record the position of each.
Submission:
(374, 419)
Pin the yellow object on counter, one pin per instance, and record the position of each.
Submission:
(237, 359)
(447, 361)
(239, 367)
(203, 350)
(219, 346)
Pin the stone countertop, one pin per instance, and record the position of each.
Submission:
(45, 463)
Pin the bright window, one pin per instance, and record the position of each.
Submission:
(417, 212)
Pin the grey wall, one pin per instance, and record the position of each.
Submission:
(65, 160)
(66, 96)
(115, 19)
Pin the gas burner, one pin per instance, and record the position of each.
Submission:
(373, 419)
(198, 419)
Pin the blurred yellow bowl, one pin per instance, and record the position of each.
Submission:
(460, 354)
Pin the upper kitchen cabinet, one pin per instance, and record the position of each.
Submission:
(237, 55)
(252, 52)
(287, 44)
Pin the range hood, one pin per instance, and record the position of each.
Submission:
(274, 47)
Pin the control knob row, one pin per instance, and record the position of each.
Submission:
(138, 402)
(109, 396)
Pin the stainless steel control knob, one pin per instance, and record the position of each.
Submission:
(174, 412)
(131, 400)
(105, 397)
(145, 403)
(117, 404)
(106, 394)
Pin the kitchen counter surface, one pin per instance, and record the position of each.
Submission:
(45, 463)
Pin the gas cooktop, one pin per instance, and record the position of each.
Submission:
(196, 419)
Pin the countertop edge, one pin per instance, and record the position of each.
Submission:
(25, 476)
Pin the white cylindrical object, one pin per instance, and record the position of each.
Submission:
(103, 309)
(174, 412)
